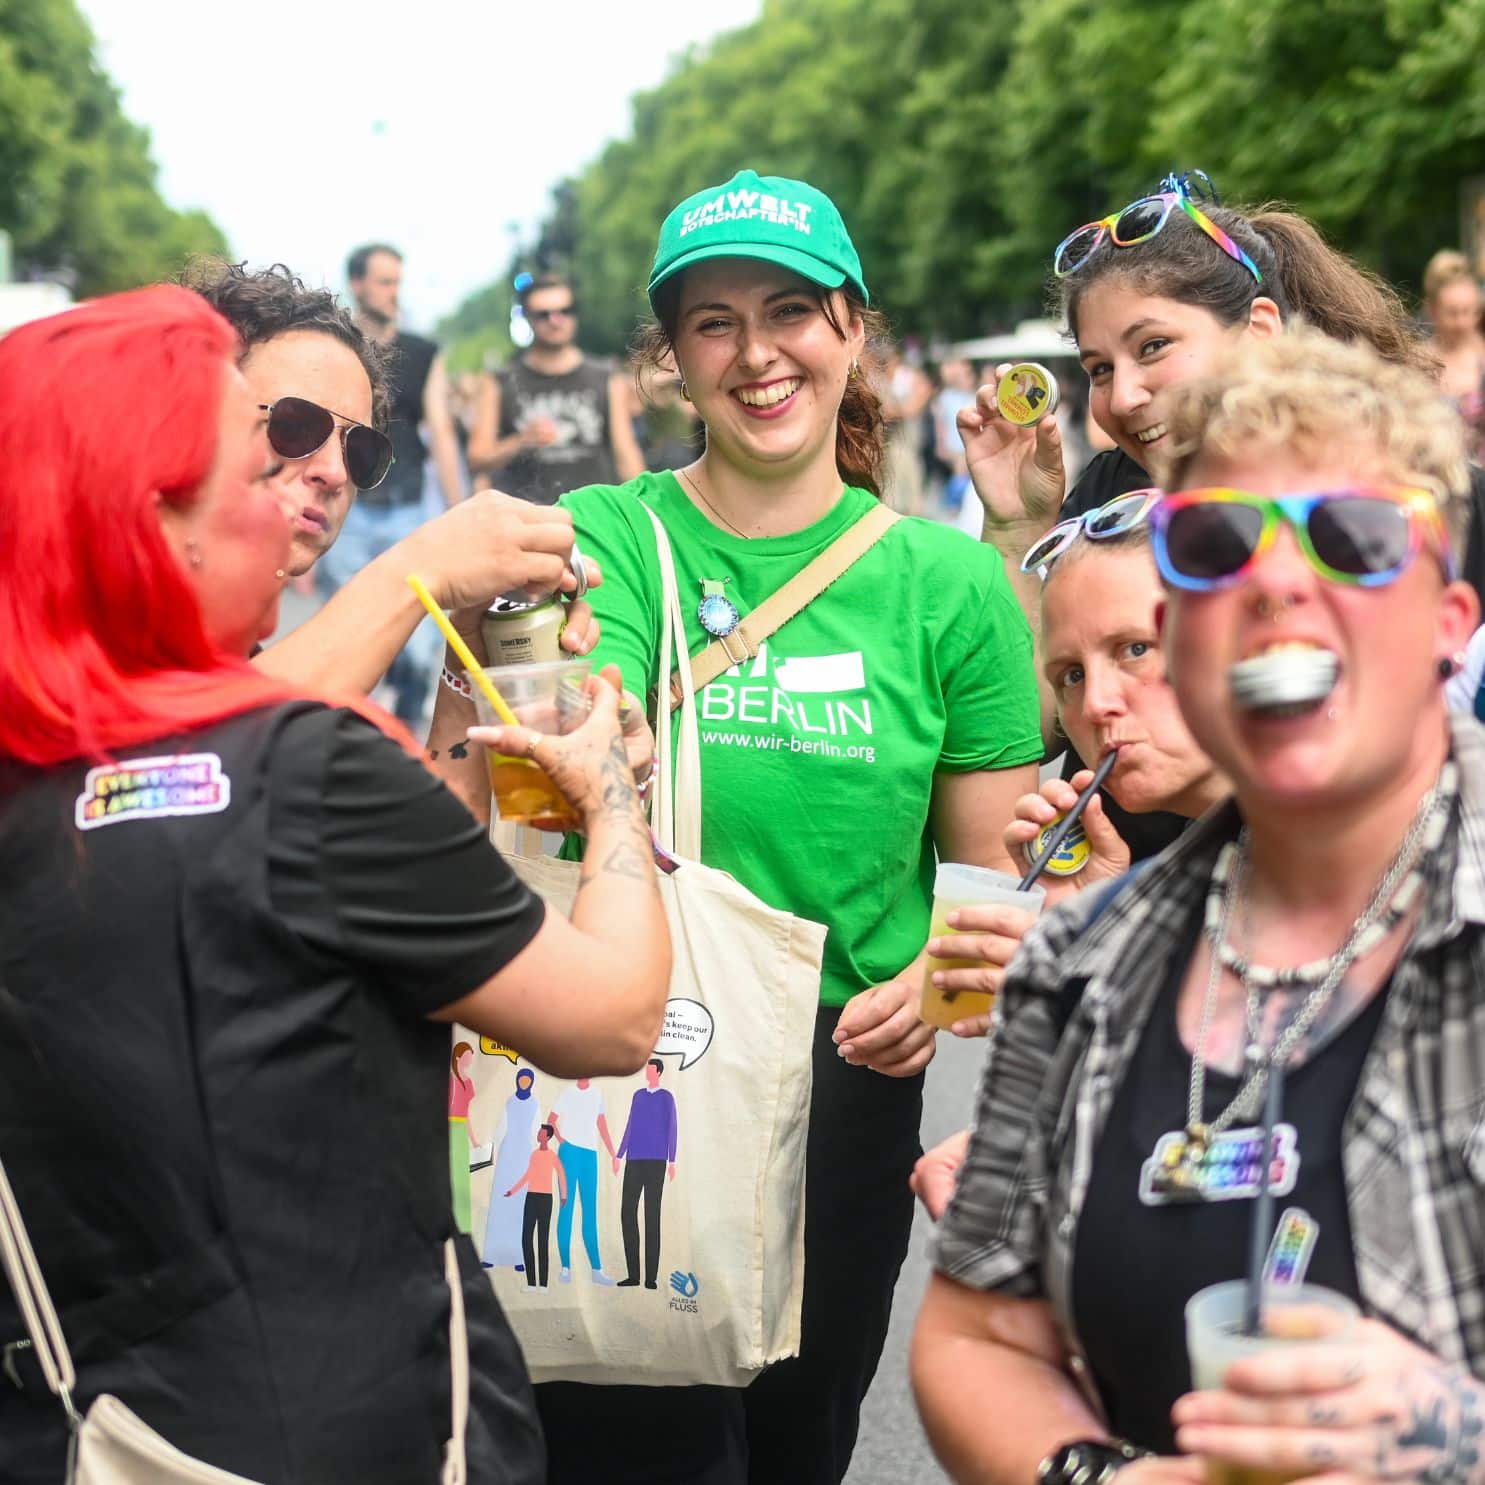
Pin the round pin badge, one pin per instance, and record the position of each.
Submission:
(1026, 394)
(717, 612)
(1072, 855)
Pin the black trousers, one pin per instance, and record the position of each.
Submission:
(642, 1178)
(797, 1424)
(536, 1231)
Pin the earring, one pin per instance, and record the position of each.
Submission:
(685, 391)
(855, 367)
(1450, 666)
(193, 552)
(279, 573)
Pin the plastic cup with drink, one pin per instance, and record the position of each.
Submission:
(1292, 1315)
(548, 697)
(956, 886)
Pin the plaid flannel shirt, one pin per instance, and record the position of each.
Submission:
(1413, 1141)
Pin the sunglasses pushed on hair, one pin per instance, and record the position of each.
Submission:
(298, 428)
(1141, 220)
(1209, 539)
(1120, 515)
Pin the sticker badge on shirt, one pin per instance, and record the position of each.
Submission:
(153, 788)
(1227, 1168)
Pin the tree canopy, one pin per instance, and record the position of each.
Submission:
(962, 144)
(78, 192)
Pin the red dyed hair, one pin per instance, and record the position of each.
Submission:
(103, 410)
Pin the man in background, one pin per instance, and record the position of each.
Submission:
(382, 517)
(554, 419)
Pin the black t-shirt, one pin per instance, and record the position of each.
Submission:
(577, 402)
(409, 360)
(1107, 475)
(223, 1110)
(1137, 1265)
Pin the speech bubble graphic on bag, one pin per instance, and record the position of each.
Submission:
(491, 1048)
(687, 1030)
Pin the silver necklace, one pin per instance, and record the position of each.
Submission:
(1213, 1161)
(1392, 899)
(686, 475)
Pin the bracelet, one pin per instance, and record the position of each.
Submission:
(457, 684)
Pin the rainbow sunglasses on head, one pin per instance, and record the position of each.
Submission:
(1142, 219)
(1119, 515)
(1207, 539)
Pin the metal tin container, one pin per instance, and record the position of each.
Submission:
(1026, 394)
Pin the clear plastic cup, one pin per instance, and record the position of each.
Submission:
(548, 697)
(1293, 1315)
(955, 886)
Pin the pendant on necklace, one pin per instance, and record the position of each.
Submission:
(1193, 1165)
(718, 613)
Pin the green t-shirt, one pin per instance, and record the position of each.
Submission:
(818, 755)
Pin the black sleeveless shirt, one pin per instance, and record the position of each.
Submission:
(577, 402)
(223, 1109)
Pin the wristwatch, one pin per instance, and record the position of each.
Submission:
(1087, 1462)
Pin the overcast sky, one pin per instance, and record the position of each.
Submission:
(307, 126)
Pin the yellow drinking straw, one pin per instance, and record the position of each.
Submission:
(457, 645)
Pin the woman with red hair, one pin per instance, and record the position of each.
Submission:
(234, 924)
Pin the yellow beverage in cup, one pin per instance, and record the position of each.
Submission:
(546, 696)
(959, 886)
(524, 794)
(1220, 1472)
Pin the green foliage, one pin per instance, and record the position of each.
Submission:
(962, 143)
(77, 185)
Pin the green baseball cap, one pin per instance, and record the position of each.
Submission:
(760, 216)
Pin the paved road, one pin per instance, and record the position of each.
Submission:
(892, 1449)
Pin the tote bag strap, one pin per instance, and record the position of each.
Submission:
(677, 783)
(35, 1301)
(784, 603)
(455, 1464)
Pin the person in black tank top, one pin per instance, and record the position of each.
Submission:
(554, 419)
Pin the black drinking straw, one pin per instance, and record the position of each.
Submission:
(1263, 1208)
(1067, 822)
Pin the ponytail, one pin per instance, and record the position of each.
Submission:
(1336, 296)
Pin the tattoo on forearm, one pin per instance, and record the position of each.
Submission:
(626, 861)
(433, 752)
(459, 750)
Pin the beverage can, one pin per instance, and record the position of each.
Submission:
(1072, 855)
(1026, 394)
(518, 632)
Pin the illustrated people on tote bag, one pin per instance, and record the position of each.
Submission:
(461, 1136)
(542, 1170)
(648, 1153)
(581, 1121)
(503, 1222)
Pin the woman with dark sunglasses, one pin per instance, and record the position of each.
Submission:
(1327, 922)
(322, 386)
(237, 917)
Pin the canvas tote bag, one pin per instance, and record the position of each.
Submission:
(736, 1050)
(111, 1445)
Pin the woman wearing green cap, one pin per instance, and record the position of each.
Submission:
(894, 715)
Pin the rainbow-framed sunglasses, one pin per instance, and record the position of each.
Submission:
(1142, 219)
(1208, 539)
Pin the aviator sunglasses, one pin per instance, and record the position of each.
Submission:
(1119, 515)
(298, 428)
(1142, 219)
(1209, 539)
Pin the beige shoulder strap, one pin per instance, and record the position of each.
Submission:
(775, 611)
